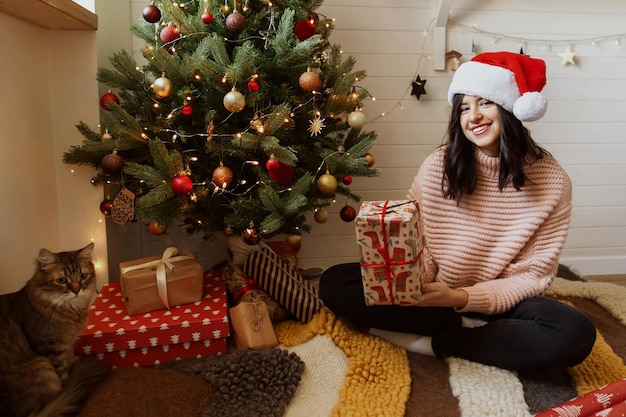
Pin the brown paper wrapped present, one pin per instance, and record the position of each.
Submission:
(159, 282)
(252, 327)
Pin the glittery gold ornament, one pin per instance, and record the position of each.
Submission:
(234, 101)
(162, 86)
(327, 183)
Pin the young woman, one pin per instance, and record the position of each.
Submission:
(495, 210)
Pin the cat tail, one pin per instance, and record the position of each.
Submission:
(83, 379)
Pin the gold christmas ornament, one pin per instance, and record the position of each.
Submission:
(310, 81)
(234, 101)
(321, 215)
(370, 159)
(327, 183)
(295, 241)
(356, 119)
(162, 86)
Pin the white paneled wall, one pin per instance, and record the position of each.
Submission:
(584, 127)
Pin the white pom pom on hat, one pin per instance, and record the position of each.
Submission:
(514, 81)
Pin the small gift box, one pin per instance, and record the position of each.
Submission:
(159, 282)
(390, 242)
(189, 330)
(252, 327)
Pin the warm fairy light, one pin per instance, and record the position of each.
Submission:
(224, 79)
(143, 135)
(239, 135)
(188, 98)
(156, 105)
(255, 163)
(197, 77)
(71, 171)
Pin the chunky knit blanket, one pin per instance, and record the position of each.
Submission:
(384, 381)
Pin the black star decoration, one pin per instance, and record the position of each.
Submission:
(418, 87)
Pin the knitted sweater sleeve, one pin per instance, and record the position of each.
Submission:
(532, 270)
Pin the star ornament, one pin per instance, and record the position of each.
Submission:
(417, 87)
(567, 57)
(316, 126)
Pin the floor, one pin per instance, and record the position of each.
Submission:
(615, 279)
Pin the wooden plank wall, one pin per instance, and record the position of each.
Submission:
(583, 128)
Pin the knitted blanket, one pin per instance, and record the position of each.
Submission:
(384, 381)
(325, 368)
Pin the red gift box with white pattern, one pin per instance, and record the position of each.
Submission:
(189, 330)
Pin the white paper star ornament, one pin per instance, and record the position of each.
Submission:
(567, 57)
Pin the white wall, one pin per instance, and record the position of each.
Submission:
(583, 128)
(48, 86)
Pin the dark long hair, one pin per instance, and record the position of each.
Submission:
(517, 149)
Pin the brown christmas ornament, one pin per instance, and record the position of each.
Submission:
(327, 183)
(235, 22)
(234, 101)
(222, 176)
(309, 81)
(123, 206)
(321, 215)
(251, 236)
(293, 240)
(151, 13)
(112, 164)
(106, 206)
(370, 159)
(347, 213)
(156, 229)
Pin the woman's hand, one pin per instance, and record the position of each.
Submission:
(437, 294)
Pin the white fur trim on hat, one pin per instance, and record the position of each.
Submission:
(530, 106)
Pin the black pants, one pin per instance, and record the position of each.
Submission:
(537, 333)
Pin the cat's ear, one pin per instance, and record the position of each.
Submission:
(85, 253)
(46, 258)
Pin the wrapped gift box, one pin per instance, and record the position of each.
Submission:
(190, 330)
(158, 282)
(390, 242)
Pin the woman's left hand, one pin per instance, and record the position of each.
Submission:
(437, 294)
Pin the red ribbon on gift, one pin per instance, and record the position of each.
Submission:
(252, 285)
(390, 274)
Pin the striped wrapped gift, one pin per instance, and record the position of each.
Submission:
(282, 281)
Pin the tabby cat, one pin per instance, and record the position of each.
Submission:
(39, 374)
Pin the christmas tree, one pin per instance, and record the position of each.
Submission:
(243, 119)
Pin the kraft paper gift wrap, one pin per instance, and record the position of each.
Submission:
(391, 244)
(159, 282)
(252, 327)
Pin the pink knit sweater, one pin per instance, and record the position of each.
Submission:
(501, 247)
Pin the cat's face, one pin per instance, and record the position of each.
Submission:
(65, 277)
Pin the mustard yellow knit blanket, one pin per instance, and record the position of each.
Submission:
(377, 381)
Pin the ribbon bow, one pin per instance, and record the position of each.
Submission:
(167, 260)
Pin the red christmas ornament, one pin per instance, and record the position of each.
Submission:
(347, 213)
(112, 164)
(181, 185)
(281, 175)
(272, 164)
(347, 179)
(187, 110)
(169, 34)
(151, 13)
(304, 29)
(207, 17)
(253, 86)
(107, 98)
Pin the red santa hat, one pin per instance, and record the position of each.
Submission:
(514, 81)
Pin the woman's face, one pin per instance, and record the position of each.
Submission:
(481, 123)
